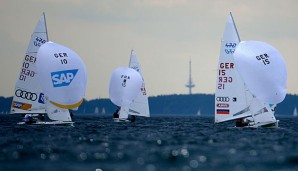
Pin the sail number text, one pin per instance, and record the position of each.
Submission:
(25, 70)
(222, 78)
(143, 90)
(264, 58)
(62, 57)
(125, 77)
(39, 41)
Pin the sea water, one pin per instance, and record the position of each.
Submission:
(166, 143)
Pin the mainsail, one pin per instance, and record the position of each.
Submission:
(28, 96)
(140, 106)
(231, 97)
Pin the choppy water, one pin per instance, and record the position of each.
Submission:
(150, 144)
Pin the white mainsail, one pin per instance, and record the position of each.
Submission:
(140, 105)
(28, 96)
(231, 97)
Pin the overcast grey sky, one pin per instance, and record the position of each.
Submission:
(164, 34)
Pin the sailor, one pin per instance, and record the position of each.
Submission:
(116, 113)
(41, 117)
(28, 119)
(241, 122)
(132, 118)
(71, 114)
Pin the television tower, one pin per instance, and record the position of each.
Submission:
(190, 84)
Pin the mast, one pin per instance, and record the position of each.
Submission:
(235, 27)
(189, 84)
(45, 23)
(130, 56)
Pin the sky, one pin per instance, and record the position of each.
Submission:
(165, 34)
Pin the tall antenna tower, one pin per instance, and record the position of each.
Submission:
(189, 84)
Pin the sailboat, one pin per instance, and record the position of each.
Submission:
(295, 113)
(140, 105)
(28, 95)
(199, 113)
(233, 99)
(125, 84)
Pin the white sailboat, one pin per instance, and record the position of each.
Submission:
(295, 113)
(29, 96)
(140, 105)
(124, 89)
(233, 100)
(199, 113)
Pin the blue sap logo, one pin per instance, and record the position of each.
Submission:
(63, 78)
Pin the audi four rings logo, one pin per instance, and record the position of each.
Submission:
(222, 99)
(26, 95)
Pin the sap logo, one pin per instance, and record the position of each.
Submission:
(18, 104)
(63, 78)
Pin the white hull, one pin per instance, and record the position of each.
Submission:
(260, 125)
(121, 120)
(59, 123)
(265, 125)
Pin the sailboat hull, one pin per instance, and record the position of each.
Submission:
(260, 125)
(121, 120)
(265, 125)
(57, 123)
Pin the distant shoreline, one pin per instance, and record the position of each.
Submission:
(167, 105)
